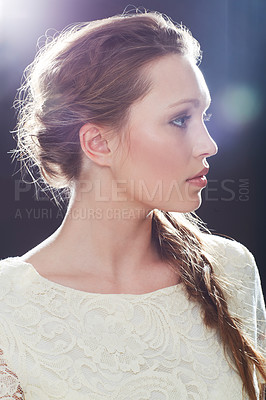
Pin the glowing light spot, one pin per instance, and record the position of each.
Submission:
(240, 105)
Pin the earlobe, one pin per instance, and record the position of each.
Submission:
(93, 143)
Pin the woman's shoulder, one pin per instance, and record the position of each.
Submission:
(229, 254)
(236, 268)
(11, 265)
(14, 271)
(225, 243)
(235, 265)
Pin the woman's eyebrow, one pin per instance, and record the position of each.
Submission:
(195, 102)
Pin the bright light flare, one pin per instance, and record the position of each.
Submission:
(240, 105)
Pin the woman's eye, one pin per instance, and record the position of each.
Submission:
(180, 122)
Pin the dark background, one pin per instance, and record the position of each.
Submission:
(232, 35)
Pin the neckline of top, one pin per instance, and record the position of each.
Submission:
(166, 290)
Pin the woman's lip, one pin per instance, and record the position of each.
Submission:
(203, 172)
(200, 181)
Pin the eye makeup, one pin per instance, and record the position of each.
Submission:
(181, 121)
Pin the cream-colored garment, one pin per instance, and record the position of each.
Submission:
(67, 344)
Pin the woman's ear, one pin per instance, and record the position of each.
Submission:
(94, 145)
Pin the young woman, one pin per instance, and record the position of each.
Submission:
(130, 298)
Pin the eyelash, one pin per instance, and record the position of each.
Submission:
(206, 117)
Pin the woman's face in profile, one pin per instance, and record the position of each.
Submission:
(168, 139)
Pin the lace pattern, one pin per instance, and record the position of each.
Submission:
(66, 344)
(9, 384)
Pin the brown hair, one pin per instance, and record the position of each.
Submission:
(91, 72)
(94, 72)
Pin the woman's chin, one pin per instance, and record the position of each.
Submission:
(183, 207)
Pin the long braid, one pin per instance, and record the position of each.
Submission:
(182, 248)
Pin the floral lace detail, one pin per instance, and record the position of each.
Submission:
(9, 384)
(66, 344)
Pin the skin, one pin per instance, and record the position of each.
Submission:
(163, 155)
(108, 224)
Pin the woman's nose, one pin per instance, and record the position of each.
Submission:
(205, 145)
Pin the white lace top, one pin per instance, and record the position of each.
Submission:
(61, 343)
